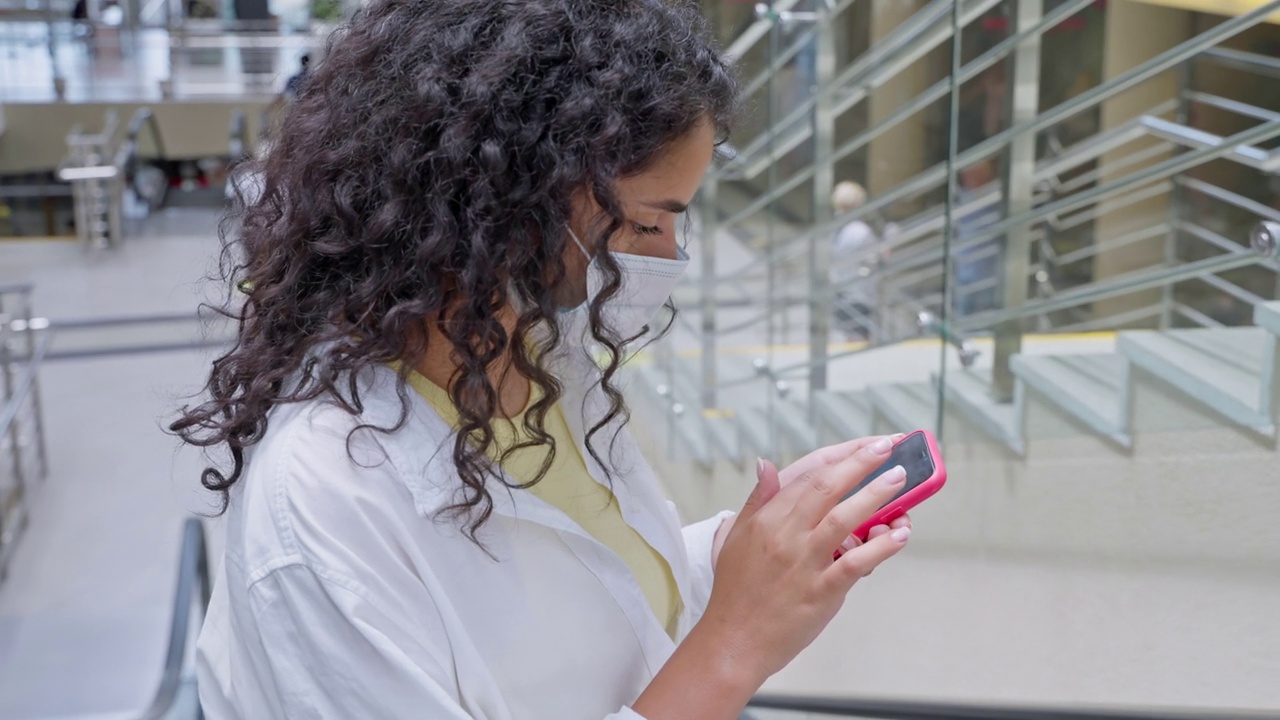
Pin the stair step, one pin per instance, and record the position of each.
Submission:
(793, 423)
(1267, 315)
(695, 442)
(755, 432)
(690, 433)
(723, 434)
(848, 414)
(1092, 388)
(1226, 369)
(969, 390)
(650, 380)
(907, 406)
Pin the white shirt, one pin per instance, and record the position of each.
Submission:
(344, 594)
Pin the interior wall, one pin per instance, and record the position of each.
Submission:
(1135, 33)
(35, 134)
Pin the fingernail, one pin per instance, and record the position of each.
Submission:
(759, 466)
(881, 446)
(901, 534)
(894, 476)
(849, 543)
(897, 436)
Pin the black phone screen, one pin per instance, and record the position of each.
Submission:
(913, 455)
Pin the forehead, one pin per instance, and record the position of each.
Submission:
(676, 172)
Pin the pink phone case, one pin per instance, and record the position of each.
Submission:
(915, 496)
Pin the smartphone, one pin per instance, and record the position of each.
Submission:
(918, 454)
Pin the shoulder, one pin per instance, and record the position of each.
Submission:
(322, 486)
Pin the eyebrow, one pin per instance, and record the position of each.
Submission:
(671, 206)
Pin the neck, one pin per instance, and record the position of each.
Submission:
(438, 365)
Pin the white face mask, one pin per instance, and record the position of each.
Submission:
(647, 284)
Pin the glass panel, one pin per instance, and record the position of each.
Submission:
(1047, 259)
(1107, 174)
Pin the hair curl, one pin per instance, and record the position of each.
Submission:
(426, 170)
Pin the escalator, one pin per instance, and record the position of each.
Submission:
(114, 177)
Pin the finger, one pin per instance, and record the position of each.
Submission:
(856, 509)
(766, 487)
(820, 490)
(830, 455)
(903, 520)
(876, 531)
(862, 560)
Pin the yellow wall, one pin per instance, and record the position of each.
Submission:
(35, 134)
(1135, 33)
(898, 154)
(1216, 7)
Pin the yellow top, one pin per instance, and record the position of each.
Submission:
(569, 486)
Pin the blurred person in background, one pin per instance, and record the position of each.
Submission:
(975, 267)
(294, 83)
(857, 254)
(433, 507)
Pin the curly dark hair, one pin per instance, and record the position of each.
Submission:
(426, 171)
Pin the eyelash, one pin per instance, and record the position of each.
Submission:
(647, 229)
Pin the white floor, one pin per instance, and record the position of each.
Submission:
(84, 611)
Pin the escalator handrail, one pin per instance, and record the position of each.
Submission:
(916, 710)
(193, 573)
(128, 149)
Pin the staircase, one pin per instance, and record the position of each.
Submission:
(1230, 373)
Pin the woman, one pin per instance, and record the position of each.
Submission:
(434, 509)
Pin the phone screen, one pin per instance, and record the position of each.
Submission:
(913, 455)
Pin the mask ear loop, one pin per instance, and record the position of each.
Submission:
(578, 242)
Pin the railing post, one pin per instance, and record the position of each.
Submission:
(42, 453)
(1179, 194)
(1024, 101)
(823, 179)
(15, 438)
(710, 222)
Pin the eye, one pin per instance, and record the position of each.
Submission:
(646, 229)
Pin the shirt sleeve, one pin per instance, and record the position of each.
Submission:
(327, 651)
(698, 539)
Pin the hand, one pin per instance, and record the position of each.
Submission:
(776, 586)
(819, 458)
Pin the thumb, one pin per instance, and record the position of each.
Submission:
(766, 487)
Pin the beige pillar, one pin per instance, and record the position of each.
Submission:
(1135, 33)
(899, 153)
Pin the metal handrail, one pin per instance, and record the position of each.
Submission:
(1118, 285)
(935, 253)
(935, 177)
(25, 385)
(17, 395)
(1243, 59)
(756, 31)
(193, 575)
(876, 69)
(880, 63)
(917, 710)
(956, 333)
(143, 117)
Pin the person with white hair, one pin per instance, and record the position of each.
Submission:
(853, 265)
